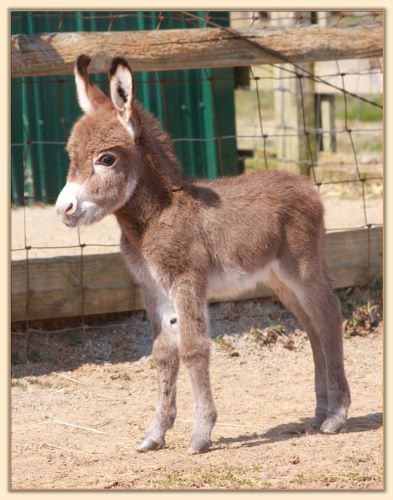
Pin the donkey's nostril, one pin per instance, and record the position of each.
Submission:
(70, 209)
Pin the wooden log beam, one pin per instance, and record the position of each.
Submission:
(55, 53)
(55, 285)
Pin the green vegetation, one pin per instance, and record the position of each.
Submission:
(74, 340)
(361, 315)
(228, 478)
(358, 110)
(357, 477)
(362, 321)
(268, 335)
(18, 383)
(34, 356)
(15, 358)
(299, 479)
(225, 345)
(376, 283)
(122, 376)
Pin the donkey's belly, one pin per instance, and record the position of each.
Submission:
(231, 283)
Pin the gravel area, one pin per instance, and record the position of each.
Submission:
(81, 405)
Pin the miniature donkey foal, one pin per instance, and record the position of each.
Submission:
(182, 240)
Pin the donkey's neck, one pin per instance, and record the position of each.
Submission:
(153, 194)
(159, 178)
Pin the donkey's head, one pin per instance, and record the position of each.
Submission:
(102, 148)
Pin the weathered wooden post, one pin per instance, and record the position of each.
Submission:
(325, 102)
(294, 103)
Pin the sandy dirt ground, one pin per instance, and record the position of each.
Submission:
(81, 405)
(40, 227)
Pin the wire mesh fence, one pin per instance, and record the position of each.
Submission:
(320, 119)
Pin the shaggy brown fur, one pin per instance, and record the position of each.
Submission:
(182, 240)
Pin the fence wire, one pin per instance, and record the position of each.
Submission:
(262, 141)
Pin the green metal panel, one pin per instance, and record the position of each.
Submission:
(17, 180)
(17, 177)
(195, 106)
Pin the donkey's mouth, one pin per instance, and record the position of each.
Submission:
(70, 223)
(75, 219)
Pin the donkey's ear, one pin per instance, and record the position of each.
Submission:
(89, 95)
(122, 91)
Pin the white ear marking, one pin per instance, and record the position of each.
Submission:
(122, 93)
(89, 95)
(121, 88)
(81, 90)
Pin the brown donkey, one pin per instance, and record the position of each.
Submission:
(182, 240)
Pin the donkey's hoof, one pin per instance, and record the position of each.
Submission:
(149, 444)
(333, 425)
(318, 420)
(198, 446)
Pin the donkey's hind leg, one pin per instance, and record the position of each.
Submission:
(324, 324)
(325, 314)
(290, 301)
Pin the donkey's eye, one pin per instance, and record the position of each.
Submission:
(107, 159)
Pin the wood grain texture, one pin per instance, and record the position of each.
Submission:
(55, 284)
(55, 53)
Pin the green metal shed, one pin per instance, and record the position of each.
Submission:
(195, 106)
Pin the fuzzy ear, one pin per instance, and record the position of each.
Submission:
(122, 92)
(89, 95)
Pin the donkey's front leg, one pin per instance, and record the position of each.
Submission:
(194, 349)
(166, 357)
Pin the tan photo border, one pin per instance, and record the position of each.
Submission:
(5, 7)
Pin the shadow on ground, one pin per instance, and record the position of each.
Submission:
(43, 353)
(293, 430)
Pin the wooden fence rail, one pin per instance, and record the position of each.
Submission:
(55, 284)
(55, 53)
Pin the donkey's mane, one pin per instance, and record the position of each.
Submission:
(159, 142)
